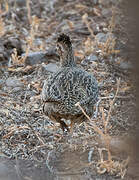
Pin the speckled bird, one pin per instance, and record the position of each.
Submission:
(69, 85)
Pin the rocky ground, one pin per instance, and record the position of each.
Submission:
(30, 144)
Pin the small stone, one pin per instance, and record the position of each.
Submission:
(35, 58)
(101, 37)
(95, 1)
(1, 82)
(16, 89)
(89, 59)
(14, 82)
(21, 3)
(106, 12)
(51, 67)
(126, 66)
(92, 58)
(41, 56)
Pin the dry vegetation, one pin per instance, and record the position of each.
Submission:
(25, 132)
(107, 165)
(106, 48)
(2, 29)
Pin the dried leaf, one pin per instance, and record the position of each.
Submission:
(70, 24)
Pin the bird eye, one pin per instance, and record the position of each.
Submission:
(58, 47)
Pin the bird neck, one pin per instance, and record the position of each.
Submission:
(67, 59)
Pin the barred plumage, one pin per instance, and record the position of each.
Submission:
(69, 85)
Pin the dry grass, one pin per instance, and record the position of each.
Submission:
(2, 28)
(16, 59)
(89, 46)
(34, 22)
(113, 167)
(29, 11)
(34, 25)
(2, 25)
(108, 47)
(87, 23)
(109, 165)
(105, 48)
(33, 31)
(6, 5)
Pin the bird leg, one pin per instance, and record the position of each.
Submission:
(64, 127)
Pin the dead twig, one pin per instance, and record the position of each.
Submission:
(108, 165)
(111, 104)
(13, 129)
(97, 129)
(35, 133)
(29, 11)
(118, 97)
(87, 23)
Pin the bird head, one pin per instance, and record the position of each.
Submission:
(64, 49)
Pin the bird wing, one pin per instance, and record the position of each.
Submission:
(51, 92)
(89, 84)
